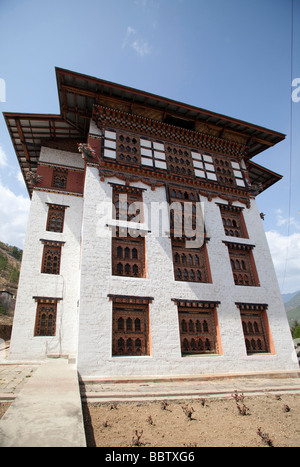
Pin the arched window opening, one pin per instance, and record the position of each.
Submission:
(137, 324)
(138, 345)
(120, 324)
(128, 324)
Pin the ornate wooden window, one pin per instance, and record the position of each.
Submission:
(179, 160)
(131, 330)
(204, 166)
(198, 327)
(153, 154)
(238, 175)
(56, 215)
(121, 146)
(224, 171)
(233, 221)
(128, 256)
(128, 203)
(45, 322)
(242, 264)
(51, 257)
(255, 324)
(190, 264)
(183, 213)
(60, 177)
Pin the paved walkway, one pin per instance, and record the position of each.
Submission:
(12, 379)
(47, 409)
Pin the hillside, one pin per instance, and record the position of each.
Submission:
(10, 263)
(292, 307)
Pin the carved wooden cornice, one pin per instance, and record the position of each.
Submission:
(135, 300)
(239, 246)
(204, 304)
(251, 306)
(108, 117)
(206, 189)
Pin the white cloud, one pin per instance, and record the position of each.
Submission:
(285, 253)
(282, 221)
(14, 211)
(20, 178)
(3, 158)
(139, 45)
(130, 32)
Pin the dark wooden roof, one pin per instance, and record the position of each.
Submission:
(77, 95)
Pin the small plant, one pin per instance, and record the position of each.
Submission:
(203, 402)
(136, 441)
(164, 405)
(239, 400)
(113, 406)
(105, 424)
(150, 420)
(188, 411)
(286, 408)
(265, 437)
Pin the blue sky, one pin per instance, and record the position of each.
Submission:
(229, 56)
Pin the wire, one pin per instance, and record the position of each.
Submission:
(291, 149)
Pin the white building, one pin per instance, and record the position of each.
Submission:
(116, 287)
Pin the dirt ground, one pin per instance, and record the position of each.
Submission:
(3, 408)
(213, 423)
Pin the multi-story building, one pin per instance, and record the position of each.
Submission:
(114, 277)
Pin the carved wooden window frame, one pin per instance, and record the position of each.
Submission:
(46, 317)
(153, 154)
(190, 264)
(51, 259)
(56, 217)
(128, 203)
(233, 221)
(121, 146)
(128, 256)
(184, 202)
(60, 178)
(243, 264)
(130, 326)
(256, 328)
(198, 327)
(204, 166)
(179, 160)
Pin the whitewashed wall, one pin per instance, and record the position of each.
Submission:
(95, 319)
(24, 345)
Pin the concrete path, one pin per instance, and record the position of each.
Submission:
(47, 410)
